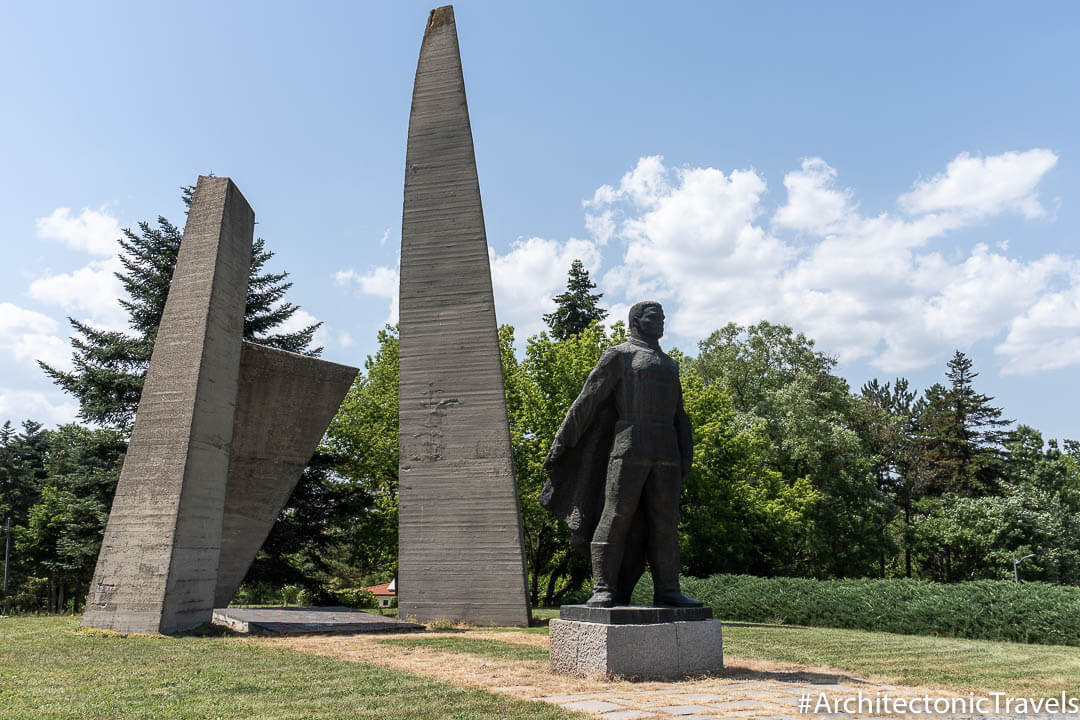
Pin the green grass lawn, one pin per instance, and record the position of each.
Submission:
(50, 669)
(1042, 670)
(914, 659)
(910, 659)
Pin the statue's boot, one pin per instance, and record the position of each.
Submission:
(665, 570)
(605, 573)
(675, 598)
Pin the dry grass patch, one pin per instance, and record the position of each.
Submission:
(532, 679)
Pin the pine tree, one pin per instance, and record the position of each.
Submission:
(577, 308)
(109, 365)
(963, 435)
(891, 430)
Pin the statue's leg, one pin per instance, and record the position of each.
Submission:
(633, 564)
(660, 497)
(622, 490)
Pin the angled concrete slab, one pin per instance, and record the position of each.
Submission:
(461, 554)
(157, 568)
(284, 403)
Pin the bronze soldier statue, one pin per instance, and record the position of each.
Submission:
(618, 463)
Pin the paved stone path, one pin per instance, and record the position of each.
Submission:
(751, 699)
(725, 698)
(747, 689)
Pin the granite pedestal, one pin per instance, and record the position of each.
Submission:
(636, 643)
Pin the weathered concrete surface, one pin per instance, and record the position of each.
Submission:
(308, 621)
(663, 651)
(283, 405)
(157, 568)
(461, 553)
(633, 614)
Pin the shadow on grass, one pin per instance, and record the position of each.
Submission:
(787, 676)
(732, 623)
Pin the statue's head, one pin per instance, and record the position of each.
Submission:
(646, 320)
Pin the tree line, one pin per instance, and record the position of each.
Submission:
(794, 473)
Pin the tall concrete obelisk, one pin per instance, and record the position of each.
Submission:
(461, 554)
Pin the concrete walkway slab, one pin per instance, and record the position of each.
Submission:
(308, 620)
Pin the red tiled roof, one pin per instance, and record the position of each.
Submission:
(382, 590)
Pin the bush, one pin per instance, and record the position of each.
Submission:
(1027, 612)
(255, 594)
(984, 609)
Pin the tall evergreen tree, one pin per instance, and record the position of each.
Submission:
(22, 473)
(577, 307)
(890, 431)
(58, 539)
(963, 435)
(110, 365)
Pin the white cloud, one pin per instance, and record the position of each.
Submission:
(642, 185)
(1047, 335)
(14, 319)
(46, 408)
(382, 282)
(345, 277)
(94, 231)
(984, 185)
(694, 241)
(91, 291)
(300, 320)
(986, 291)
(601, 226)
(533, 272)
(813, 205)
(864, 286)
(604, 195)
(50, 349)
(31, 336)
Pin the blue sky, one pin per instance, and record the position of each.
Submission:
(897, 181)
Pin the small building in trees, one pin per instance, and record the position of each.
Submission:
(385, 594)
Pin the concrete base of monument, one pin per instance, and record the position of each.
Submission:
(611, 644)
(309, 620)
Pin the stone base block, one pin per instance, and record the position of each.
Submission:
(633, 614)
(661, 651)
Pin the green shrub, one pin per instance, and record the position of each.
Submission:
(256, 594)
(261, 593)
(290, 595)
(984, 609)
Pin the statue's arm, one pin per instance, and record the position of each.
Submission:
(598, 387)
(685, 433)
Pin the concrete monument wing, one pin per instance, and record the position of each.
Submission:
(284, 403)
(222, 433)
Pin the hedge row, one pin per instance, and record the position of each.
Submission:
(1027, 612)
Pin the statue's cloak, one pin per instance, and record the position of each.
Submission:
(574, 491)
